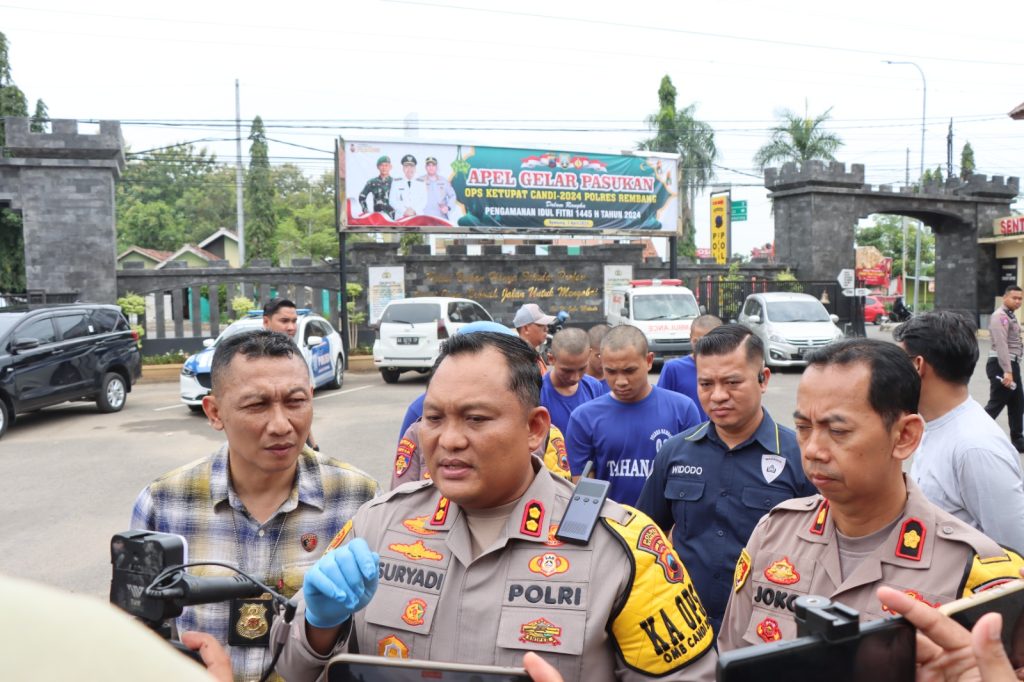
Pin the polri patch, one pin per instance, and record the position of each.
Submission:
(739, 577)
(309, 541)
(911, 541)
(403, 458)
(652, 542)
(552, 541)
(533, 518)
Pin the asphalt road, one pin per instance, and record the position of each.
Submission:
(70, 474)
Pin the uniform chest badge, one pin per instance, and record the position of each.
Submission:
(415, 611)
(768, 630)
(772, 466)
(916, 595)
(252, 621)
(540, 631)
(782, 572)
(739, 577)
(392, 647)
(417, 551)
(309, 541)
(651, 541)
(418, 525)
(549, 564)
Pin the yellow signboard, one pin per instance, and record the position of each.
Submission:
(720, 227)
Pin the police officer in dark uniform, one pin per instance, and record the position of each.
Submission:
(380, 188)
(715, 481)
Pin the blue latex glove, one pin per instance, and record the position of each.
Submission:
(342, 582)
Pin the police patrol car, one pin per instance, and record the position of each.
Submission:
(319, 343)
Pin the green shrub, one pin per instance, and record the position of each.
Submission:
(174, 357)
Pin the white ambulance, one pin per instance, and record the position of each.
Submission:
(663, 309)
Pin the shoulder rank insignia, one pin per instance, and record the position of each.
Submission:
(418, 525)
(911, 541)
(739, 577)
(818, 527)
(440, 513)
(782, 572)
(340, 537)
(533, 518)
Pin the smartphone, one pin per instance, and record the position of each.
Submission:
(1007, 599)
(363, 668)
(883, 651)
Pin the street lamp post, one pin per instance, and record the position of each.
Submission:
(917, 240)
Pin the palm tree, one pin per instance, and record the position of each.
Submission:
(678, 131)
(798, 138)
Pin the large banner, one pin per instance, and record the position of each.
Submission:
(435, 188)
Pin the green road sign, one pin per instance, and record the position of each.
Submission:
(739, 210)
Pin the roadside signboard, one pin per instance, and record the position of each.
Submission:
(739, 210)
(846, 278)
(720, 224)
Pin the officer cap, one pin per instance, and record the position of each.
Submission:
(409, 158)
(431, 159)
(384, 159)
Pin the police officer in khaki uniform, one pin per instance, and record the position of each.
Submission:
(1003, 366)
(856, 423)
(470, 568)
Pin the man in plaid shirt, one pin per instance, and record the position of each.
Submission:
(264, 502)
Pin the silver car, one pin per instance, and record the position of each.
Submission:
(789, 325)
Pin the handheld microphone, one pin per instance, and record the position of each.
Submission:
(190, 589)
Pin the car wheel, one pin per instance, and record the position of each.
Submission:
(339, 374)
(196, 408)
(390, 375)
(5, 418)
(112, 393)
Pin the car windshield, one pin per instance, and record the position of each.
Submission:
(797, 311)
(664, 307)
(8, 320)
(239, 326)
(412, 313)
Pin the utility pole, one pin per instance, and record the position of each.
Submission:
(903, 223)
(239, 199)
(949, 151)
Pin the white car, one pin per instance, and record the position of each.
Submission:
(789, 325)
(318, 342)
(411, 330)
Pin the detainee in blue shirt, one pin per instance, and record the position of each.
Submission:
(622, 431)
(566, 386)
(680, 374)
(713, 483)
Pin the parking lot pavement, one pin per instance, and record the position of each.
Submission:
(70, 474)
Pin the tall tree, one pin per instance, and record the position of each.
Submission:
(12, 99)
(886, 234)
(799, 138)
(40, 118)
(966, 161)
(679, 131)
(261, 221)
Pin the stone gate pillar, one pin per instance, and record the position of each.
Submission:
(62, 183)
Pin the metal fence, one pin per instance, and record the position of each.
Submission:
(724, 296)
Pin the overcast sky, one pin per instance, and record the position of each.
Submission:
(569, 75)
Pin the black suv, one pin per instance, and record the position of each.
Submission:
(74, 352)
